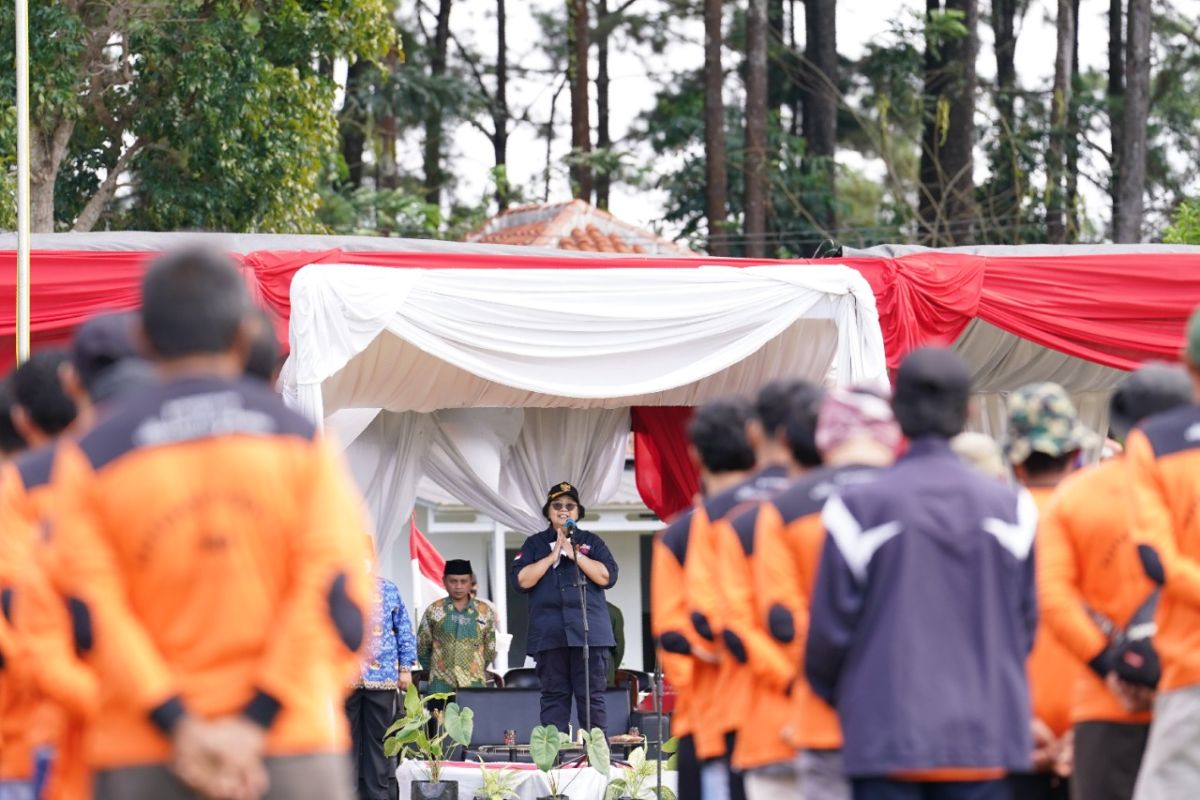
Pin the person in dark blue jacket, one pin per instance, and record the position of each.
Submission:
(924, 610)
(545, 568)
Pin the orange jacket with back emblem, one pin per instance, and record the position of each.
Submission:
(722, 691)
(1164, 457)
(1087, 565)
(217, 547)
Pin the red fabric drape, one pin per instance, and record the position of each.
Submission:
(1114, 309)
(666, 479)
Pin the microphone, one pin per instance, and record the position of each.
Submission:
(570, 527)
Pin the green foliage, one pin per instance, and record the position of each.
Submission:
(498, 784)
(226, 117)
(545, 743)
(671, 747)
(1185, 227)
(409, 737)
(636, 781)
(596, 745)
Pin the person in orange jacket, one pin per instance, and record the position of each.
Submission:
(723, 690)
(761, 753)
(724, 458)
(214, 544)
(855, 433)
(1094, 595)
(1163, 453)
(1045, 438)
(32, 721)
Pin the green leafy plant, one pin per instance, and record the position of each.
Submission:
(545, 743)
(498, 784)
(409, 736)
(636, 780)
(671, 748)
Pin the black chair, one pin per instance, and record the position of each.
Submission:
(522, 678)
(495, 680)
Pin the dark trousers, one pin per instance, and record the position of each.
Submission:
(689, 767)
(370, 712)
(888, 789)
(1108, 756)
(560, 672)
(1039, 786)
(737, 781)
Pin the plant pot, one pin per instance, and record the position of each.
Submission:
(428, 790)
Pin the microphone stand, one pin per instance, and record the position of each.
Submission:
(581, 581)
(658, 704)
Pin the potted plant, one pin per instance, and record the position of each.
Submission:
(410, 736)
(545, 743)
(636, 781)
(498, 784)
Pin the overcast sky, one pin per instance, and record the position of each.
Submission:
(859, 23)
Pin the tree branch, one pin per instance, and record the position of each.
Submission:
(90, 215)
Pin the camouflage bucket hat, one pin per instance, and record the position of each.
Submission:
(1042, 419)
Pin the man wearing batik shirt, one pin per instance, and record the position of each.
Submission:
(457, 637)
(372, 706)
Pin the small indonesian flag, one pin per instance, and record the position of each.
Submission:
(428, 567)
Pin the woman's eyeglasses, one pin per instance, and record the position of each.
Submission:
(564, 506)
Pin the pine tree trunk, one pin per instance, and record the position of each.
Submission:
(435, 178)
(946, 210)
(577, 75)
(500, 112)
(1131, 181)
(715, 173)
(821, 99)
(1116, 95)
(1073, 134)
(603, 137)
(1060, 102)
(755, 202)
(1003, 211)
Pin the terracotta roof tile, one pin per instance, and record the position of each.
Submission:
(547, 228)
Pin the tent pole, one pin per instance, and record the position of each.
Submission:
(22, 34)
(499, 590)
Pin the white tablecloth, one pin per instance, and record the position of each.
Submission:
(578, 784)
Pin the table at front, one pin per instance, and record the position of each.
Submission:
(578, 784)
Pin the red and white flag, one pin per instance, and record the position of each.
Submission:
(428, 566)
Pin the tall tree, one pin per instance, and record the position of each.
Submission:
(1060, 103)
(1004, 24)
(603, 135)
(755, 222)
(577, 76)
(212, 115)
(715, 168)
(946, 210)
(435, 177)
(1116, 100)
(500, 106)
(821, 99)
(1072, 196)
(352, 121)
(1131, 181)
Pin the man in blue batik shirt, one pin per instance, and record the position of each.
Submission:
(372, 706)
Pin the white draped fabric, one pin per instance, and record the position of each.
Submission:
(495, 384)
(1001, 362)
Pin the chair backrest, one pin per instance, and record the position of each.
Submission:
(522, 678)
(498, 710)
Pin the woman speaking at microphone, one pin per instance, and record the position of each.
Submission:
(550, 568)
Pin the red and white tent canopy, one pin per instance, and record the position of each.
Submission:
(1077, 315)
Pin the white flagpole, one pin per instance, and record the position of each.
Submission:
(22, 32)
